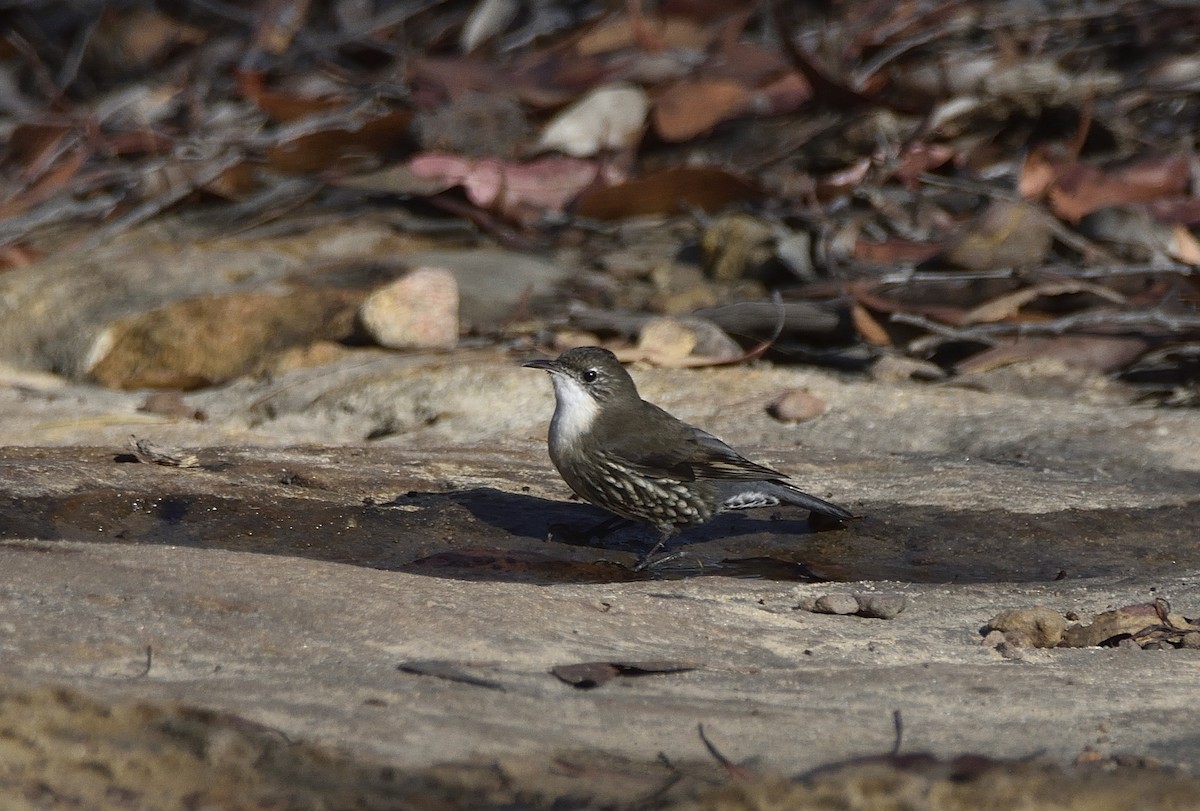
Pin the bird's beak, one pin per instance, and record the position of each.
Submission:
(543, 364)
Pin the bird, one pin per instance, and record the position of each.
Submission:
(635, 460)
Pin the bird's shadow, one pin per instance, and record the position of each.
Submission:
(575, 523)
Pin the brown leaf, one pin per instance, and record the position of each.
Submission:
(668, 192)
(321, 150)
(588, 675)
(871, 330)
(687, 109)
(1082, 189)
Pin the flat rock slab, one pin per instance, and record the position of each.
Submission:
(397, 600)
(314, 650)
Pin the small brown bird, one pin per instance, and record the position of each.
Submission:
(630, 457)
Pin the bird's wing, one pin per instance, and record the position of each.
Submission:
(716, 460)
(686, 454)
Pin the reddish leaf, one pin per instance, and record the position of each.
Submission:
(547, 184)
(1082, 189)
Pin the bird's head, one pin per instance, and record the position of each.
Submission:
(588, 378)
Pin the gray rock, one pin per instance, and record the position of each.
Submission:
(881, 605)
(836, 604)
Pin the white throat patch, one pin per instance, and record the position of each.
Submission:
(574, 410)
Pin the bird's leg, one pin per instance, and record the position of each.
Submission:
(649, 561)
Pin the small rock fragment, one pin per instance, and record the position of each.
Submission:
(993, 639)
(1191, 640)
(796, 405)
(899, 369)
(668, 339)
(419, 310)
(1037, 626)
(881, 605)
(836, 604)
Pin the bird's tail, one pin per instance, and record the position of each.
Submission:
(737, 495)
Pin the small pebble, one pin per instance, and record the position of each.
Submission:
(796, 405)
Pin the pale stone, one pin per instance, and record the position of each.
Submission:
(419, 310)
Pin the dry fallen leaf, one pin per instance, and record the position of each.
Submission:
(687, 109)
(1143, 623)
(1082, 188)
(549, 183)
(587, 675)
(668, 192)
(1008, 306)
(611, 117)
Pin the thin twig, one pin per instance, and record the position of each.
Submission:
(1061, 271)
(735, 771)
(987, 333)
(149, 208)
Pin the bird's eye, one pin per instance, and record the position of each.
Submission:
(590, 376)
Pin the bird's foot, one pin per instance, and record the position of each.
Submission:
(652, 561)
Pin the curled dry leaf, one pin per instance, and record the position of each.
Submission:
(868, 327)
(587, 675)
(1143, 623)
(1010, 305)
(549, 183)
(611, 117)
